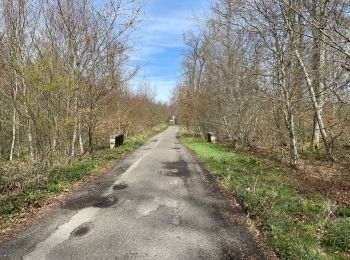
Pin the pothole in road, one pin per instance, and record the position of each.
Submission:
(177, 169)
(82, 230)
(172, 173)
(105, 202)
(120, 186)
(90, 201)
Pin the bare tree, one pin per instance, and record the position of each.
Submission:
(275, 72)
(63, 64)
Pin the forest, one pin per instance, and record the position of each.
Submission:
(65, 87)
(65, 78)
(270, 79)
(270, 75)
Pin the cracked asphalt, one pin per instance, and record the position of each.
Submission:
(155, 204)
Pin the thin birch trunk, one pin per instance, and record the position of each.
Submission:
(18, 138)
(293, 142)
(29, 125)
(81, 143)
(14, 122)
(316, 135)
(74, 137)
(316, 108)
(55, 134)
(14, 116)
(30, 140)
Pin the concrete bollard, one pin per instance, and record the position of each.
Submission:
(116, 140)
(211, 137)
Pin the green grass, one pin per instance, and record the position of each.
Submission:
(55, 180)
(296, 225)
(167, 123)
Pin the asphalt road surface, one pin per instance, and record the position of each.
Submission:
(155, 204)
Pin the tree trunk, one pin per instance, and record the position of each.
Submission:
(289, 120)
(14, 116)
(74, 138)
(318, 60)
(90, 139)
(81, 144)
(316, 135)
(29, 125)
(293, 142)
(30, 140)
(75, 129)
(14, 122)
(316, 108)
(55, 135)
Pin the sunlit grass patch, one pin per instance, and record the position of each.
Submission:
(296, 225)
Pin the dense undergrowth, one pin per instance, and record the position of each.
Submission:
(295, 225)
(34, 186)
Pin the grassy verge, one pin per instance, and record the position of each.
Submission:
(295, 225)
(167, 123)
(55, 180)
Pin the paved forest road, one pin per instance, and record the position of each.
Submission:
(155, 204)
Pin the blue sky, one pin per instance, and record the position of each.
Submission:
(159, 41)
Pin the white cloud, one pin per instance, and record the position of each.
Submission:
(160, 32)
(159, 41)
